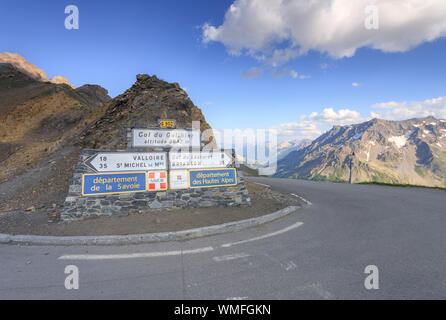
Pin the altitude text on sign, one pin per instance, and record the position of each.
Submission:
(165, 138)
(127, 161)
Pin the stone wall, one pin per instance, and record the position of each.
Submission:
(78, 207)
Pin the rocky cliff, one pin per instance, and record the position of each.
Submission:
(148, 100)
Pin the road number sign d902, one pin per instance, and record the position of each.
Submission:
(166, 123)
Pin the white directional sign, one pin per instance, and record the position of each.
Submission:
(197, 159)
(127, 161)
(166, 138)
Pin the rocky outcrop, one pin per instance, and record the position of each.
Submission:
(94, 94)
(37, 118)
(29, 69)
(148, 100)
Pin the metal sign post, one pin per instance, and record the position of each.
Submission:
(351, 157)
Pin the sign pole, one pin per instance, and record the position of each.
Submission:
(351, 157)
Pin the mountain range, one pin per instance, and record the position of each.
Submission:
(286, 147)
(399, 152)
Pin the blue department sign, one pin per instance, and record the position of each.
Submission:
(107, 183)
(212, 178)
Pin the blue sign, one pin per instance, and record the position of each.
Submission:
(105, 183)
(212, 178)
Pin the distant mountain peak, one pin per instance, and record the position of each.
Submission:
(410, 151)
(21, 64)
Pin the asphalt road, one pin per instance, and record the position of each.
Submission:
(319, 252)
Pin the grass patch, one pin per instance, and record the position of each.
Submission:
(400, 185)
(419, 170)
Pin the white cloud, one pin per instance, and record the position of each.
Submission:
(293, 74)
(355, 84)
(280, 73)
(330, 116)
(312, 125)
(284, 72)
(296, 130)
(335, 27)
(251, 73)
(405, 110)
(303, 77)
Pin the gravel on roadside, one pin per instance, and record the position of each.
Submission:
(45, 222)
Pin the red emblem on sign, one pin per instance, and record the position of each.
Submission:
(157, 180)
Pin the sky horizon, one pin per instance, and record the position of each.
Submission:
(299, 67)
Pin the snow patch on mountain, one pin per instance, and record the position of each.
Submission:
(400, 141)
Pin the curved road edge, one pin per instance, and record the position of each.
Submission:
(146, 237)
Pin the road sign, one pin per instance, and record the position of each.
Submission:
(127, 161)
(212, 178)
(166, 123)
(157, 180)
(197, 159)
(179, 179)
(179, 138)
(106, 183)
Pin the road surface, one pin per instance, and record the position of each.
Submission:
(319, 252)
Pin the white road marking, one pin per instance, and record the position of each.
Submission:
(291, 227)
(262, 184)
(303, 199)
(133, 255)
(230, 257)
(237, 298)
(319, 290)
(289, 265)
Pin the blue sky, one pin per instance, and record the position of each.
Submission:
(117, 40)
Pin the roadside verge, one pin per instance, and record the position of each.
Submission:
(146, 237)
